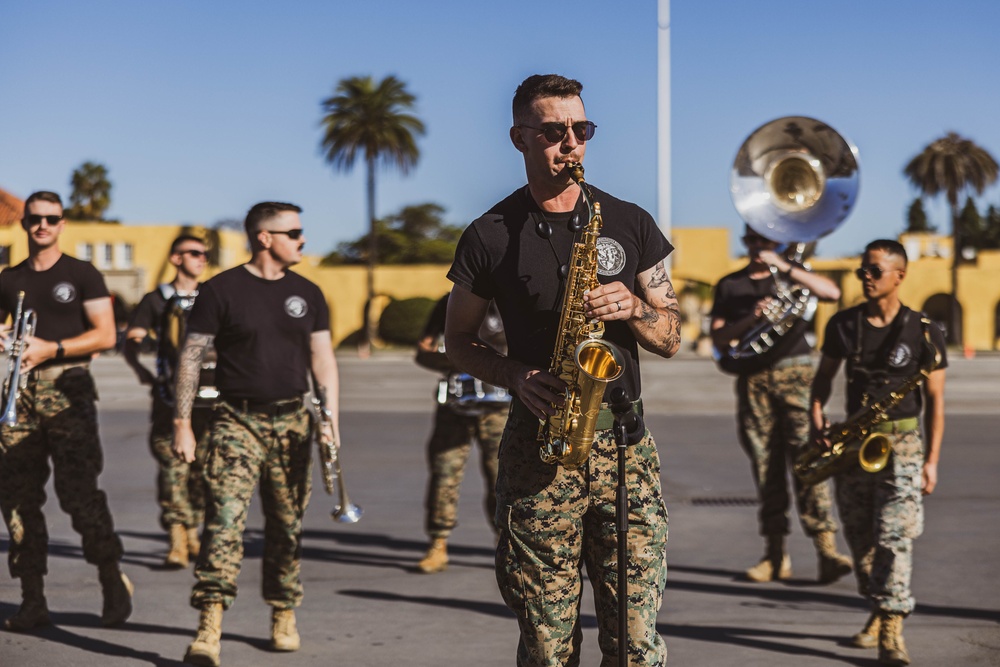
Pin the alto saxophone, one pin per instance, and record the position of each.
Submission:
(852, 441)
(581, 359)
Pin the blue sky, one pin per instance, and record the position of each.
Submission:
(199, 109)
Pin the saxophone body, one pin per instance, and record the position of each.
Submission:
(581, 359)
(853, 441)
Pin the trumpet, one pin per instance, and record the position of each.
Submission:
(22, 329)
(329, 455)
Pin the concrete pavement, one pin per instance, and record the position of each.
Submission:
(365, 606)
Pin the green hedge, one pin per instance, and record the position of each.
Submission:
(403, 320)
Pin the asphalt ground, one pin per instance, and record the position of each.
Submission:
(365, 605)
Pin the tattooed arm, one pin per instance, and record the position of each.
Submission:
(188, 374)
(654, 318)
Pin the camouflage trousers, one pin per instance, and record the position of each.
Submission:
(773, 421)
(447, 453)
(248, 447)
(57, 420)
(552, 522)
(882, 513)
(180, 486)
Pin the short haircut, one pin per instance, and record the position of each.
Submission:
(542, 85)
(183, 238)
(42, 195)
(889, 247)
(264, 211)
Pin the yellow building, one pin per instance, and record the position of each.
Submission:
(133, 259)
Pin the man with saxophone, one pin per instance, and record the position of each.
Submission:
(552, 518)
(886, 345)
(56, 416)
(772, 415)
(180, 486)
(270, 328)
(458, 421)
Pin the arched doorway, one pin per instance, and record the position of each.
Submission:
(936, 308)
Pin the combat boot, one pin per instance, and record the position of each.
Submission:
(868, 637)
(891, 648)
(832, 565)
(436, 559)
(117, 590)
(284, 635)
(177, 557)
(193, 543)
(207, 644)
(774, 565)
(34, 611)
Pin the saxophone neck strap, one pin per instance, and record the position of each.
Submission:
(856, 370)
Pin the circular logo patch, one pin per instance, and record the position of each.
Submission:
(296, 306)
(900, 356)
(64, 292)
(610, 256)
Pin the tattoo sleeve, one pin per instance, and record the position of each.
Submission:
(189, 372)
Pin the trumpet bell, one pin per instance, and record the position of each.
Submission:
(349, 513)
(794, 179)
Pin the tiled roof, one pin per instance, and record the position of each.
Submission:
(11, 208)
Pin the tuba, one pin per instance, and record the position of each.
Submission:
(23, 328)
(853, 440)
(794, 180)
(581, 359)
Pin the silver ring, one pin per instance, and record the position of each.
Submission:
(619, 304)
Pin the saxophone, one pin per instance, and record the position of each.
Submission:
(581, 359)
(852, 440)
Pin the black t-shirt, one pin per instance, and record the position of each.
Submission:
(737, 295)
(148, 314)
(501, 256)
(889, 355)
(56, 295)
(262, 332)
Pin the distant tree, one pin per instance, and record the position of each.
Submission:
(951, 166)
(991, 223)
(415, 235)
(970, 225)
(228, 223)
(372, 120)
(916, 218)
(91, 195)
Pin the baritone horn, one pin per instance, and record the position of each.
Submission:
(22, 329)
(329, 455)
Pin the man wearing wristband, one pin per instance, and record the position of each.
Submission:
(56, 416)
(885, 344)
(772, 417)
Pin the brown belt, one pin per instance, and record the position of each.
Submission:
(271, 408)
(53, 371)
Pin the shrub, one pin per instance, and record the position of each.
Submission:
(403, 320)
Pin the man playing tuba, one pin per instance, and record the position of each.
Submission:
(885, 344)
(772, 413)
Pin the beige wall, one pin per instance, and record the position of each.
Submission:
(701, 257)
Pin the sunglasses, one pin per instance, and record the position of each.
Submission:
(34, 220)
(293, 234)
(872, 270)
(197, 254)
(556, 132)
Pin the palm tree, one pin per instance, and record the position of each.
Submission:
(91, 194)
(369, 119)
(952, 165)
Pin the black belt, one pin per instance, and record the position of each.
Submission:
(274, 408)
(605, 418)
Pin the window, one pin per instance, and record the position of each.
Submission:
(123, 255)
(85, 251)
(4, 255)
(104, 256)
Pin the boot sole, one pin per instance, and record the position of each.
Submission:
(17, 626)
(201, 659)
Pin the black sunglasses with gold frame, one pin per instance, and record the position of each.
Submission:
(33, 219)
(556, 132)
(293, 234)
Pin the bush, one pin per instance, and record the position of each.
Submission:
(403, 320)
